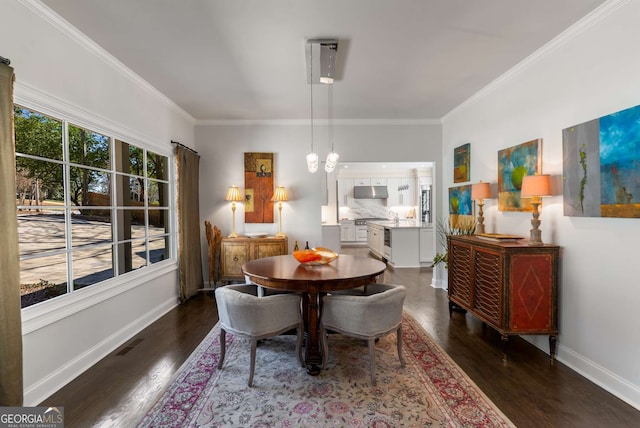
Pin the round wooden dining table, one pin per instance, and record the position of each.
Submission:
(286, 273)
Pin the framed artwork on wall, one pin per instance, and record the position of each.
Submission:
(460, 205)
(514, 163)
(258, 185)
(601, 164)
(461, 163)
(460, 200)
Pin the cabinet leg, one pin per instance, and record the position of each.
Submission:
(553, 341)
(455, 308)
(503, 345)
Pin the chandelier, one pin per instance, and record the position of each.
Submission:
(325, 63)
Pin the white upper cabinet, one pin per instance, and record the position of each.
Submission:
(402, 191)
(362, 182)
(392, 187)
(378, 181)
(345, 192)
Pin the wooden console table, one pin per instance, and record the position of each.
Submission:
(510, 286)
(237, 251)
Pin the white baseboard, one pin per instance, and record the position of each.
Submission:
(609, 381)
(34, 394)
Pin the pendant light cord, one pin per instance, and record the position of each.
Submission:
(311, 86)
(331, 115)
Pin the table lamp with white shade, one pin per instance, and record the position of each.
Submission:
(234, 194)
(279, 196)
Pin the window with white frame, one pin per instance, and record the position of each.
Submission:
(90, 207)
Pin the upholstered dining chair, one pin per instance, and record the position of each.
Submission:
(244, 314)
(369, 315)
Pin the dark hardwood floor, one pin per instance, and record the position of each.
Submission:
(118, 390)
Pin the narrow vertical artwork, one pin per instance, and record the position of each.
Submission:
(258, 183)
(461, 163)
(581, 169)
(601, 160)
(514, 163)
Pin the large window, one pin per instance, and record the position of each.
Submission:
(90, 207)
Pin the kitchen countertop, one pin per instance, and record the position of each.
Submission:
(403, 224)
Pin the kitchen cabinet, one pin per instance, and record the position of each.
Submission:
(406, 240)
(351, 232)
(237, 251)
(392, 187)
(404, 197)
(375, 239)
(404, 248)
(347, 233)
(362, 182)
(378, 181)
(427, 251)
(345, 192)
(408, 195)
(331, 237)
(511, 286)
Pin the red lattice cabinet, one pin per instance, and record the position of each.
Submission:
(511, 286)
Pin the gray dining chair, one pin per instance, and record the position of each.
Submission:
(366, 315)
(244, 314)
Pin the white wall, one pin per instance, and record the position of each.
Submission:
(590, 71)
(61, 72)
(222, 148)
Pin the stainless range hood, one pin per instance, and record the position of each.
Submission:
(370, 192)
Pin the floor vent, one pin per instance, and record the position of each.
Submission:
(129, 347)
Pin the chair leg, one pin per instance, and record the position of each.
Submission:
(223, 347)
(252, 366)
(372, 362)
(299, 342)
(399, 343)
(324, 342)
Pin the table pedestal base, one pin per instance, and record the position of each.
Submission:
(311, 314)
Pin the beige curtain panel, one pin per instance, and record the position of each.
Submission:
(189, 251)
(10, 320)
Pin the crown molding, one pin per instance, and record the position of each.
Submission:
(43, 102)
(83, 40)
(320, 122)
(594, 17)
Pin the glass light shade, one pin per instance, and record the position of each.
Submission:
(332, 161)
(234, 194)
(312, 162)
(480, 191)
(536, 185)
(280, 195)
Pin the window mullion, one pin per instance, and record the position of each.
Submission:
(66, 176)
(147, 188)
(114, 208)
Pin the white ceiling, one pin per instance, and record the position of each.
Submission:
(244, 59)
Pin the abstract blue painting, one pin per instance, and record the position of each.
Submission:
(460, 200)
(601, 160)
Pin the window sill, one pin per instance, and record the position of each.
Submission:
(43, 314)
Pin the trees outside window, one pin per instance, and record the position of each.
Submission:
(90, 207)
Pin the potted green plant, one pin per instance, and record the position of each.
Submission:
(454, 225)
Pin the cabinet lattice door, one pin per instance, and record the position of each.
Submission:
(511, 286)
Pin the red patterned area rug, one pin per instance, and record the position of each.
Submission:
(430, 391)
